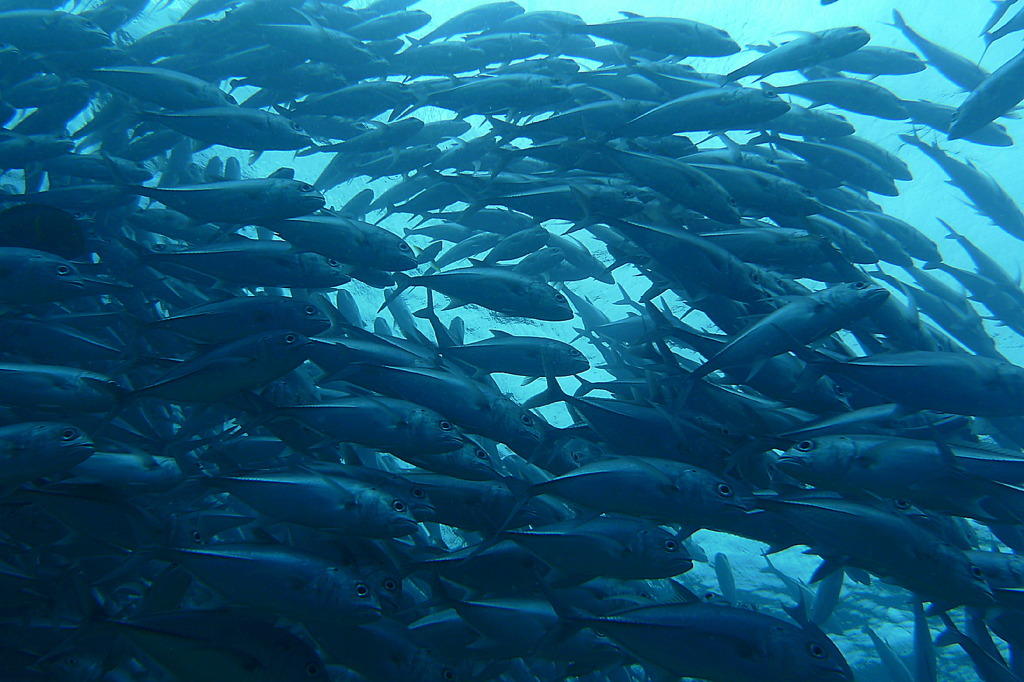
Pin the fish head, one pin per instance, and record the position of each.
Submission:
(431, 433)
(311, 320)
(1010, 378)
(52, 277)
(70, 441)
(302, 197)
(716, 40)
(81, 32)
(565, 359)
(764, 99)
(326, 269)
(277, 345)
(807, 655)
(710, 493)
(964, 580)
(348, 593)
(102, 390)
(821, 460)
(847, 38)
(548, 303)
(660, 548)
(395, 255)
(386, 515)
(521, 429)
(859, 298)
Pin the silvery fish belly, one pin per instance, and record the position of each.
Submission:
(410, 340)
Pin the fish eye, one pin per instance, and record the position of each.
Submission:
(977, 572)
(305, 188)
(860, 285)
(629, 195)
(448, 674)
(333, 263)
(733, 202)
(62, 270)
(112, 383)
(419, 493)
(310, 310)
(816, 650)
(671, 545)
(362, 590)
(69, 434)
(88, 24)
(296, 126)
(770, 94)
(559, 297)
(312, 670)
(574, 351)
(526, 419)
(805, 445)
(444, 425)
(402, 246)
(197, 537)
(724, 489)
(390, 584)
(576, 456)
(398, 506)
(901, 504)
(482, 454)
(290, 338)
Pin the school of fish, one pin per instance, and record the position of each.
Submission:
(245, 435)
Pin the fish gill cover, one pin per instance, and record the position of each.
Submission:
(438, 341)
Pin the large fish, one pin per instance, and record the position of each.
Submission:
(715, 642)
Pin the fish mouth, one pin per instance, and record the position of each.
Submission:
(423, 511)
(402, 263)
(313, 203)
(403, 527)
(878, 296)
(790, 463)
(451, 444)
(79, 448)
(364, 615)
(836, 674)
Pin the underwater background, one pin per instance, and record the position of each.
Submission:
(89, 553)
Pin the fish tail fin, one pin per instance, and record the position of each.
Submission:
(522, 493)
(402, 282)
(951, 635)
(552, 394)
(505, 130)
(444, 336)
(897, 21)
(989, 38)
(953, 234)
(428, 253)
